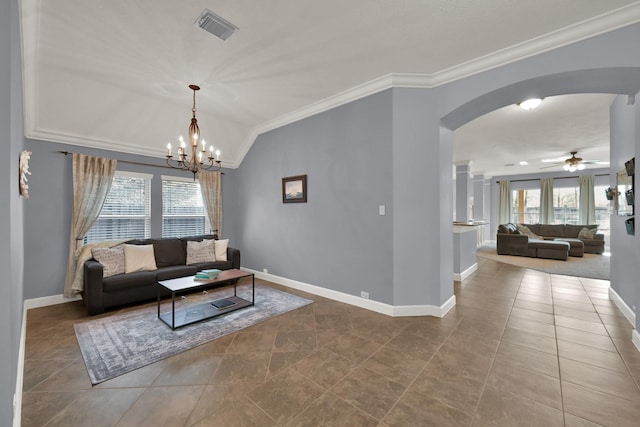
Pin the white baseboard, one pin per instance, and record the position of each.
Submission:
(624, 308)
(17, 397)
(379, 307)
(47, 301)
(468, 272)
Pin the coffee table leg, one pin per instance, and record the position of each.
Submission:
(173, 310)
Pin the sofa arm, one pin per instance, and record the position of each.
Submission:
(507, 244)
(598, 236)
(92, 292)
(233, 255)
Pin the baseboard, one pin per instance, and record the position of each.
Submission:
(624, 308)
(17, 397)
(379, 307)
(47, 301)
(468, 272)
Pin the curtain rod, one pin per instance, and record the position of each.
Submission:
(136, 163)
(560, 177)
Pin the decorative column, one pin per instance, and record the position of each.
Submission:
(464, 191)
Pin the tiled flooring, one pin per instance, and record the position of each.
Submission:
(521, 347)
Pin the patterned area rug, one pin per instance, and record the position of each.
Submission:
(590, 265)
(114, 345)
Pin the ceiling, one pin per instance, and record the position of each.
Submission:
(115, 74)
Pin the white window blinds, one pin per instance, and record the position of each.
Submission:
(126, 213)
(183, 211)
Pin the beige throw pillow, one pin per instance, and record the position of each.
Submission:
(587, 233)
(112, 259)
(221, 249)
(198, 252)
(139, 258)
(523, 229)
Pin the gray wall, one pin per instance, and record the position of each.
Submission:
(48, 210)
(11, 205)
(625, 249)
(337, 239)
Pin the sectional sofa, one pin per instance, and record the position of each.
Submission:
(552, 241)
(107, 284)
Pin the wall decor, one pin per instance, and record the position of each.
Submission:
(24, 171)
(294, 189)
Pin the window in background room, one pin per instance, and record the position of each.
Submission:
(183, 211)
(525, 207)
(603, 212)
(126, 213)
(565, 205)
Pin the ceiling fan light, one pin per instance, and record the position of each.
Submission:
(566, 167)
(580, 166)
(530, 104)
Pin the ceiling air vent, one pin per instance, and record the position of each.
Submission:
(215, 24)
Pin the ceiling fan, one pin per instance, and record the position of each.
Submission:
(572, 163)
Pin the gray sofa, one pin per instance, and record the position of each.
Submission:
(553, 241)
(101, 293)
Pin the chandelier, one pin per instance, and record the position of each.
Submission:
(198, 162)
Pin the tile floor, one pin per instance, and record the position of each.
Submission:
(521, 347)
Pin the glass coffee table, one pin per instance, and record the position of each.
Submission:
(177, 318)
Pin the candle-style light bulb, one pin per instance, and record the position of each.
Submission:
(211, 151)
(204, 145)
(169, 149)
(218, 155)
(200, 157)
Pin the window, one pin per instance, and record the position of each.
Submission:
(126, 213)
(566, 203)
(525, 208)
(183, 211)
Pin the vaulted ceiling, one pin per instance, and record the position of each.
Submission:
(115, 74)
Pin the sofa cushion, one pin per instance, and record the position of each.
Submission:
(220, 265)
(112, 259)
(121, 282)
(551, 230)
(139, 258)
(175, 271)
(586, 233)
(571, 230)
(221, 249)
(168, 252)
(203, 251)
(523, 229)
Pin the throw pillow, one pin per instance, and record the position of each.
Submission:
(523, 229)
(112, 259)
(587, 233)
(139, 258)
(221, 249)
(200, 251)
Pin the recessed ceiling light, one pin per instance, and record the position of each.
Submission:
(530, 104)
(523, 163)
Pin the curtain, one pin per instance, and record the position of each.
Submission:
(92, 178)
(504, 203)
(210, 186)
(546, 201)
(587, 200)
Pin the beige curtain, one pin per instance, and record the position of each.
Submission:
(587, 200)
(547, 214)
(211, 188)
(92, 177)
(504, 203)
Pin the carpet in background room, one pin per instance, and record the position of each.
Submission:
(123, 342)
(590, 265)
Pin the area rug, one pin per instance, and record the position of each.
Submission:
(114, 345)
(590, 265)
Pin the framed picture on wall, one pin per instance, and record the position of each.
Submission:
(294, 189)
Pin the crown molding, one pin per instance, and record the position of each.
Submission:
(601, 24)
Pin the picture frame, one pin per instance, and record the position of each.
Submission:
(294, 189)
